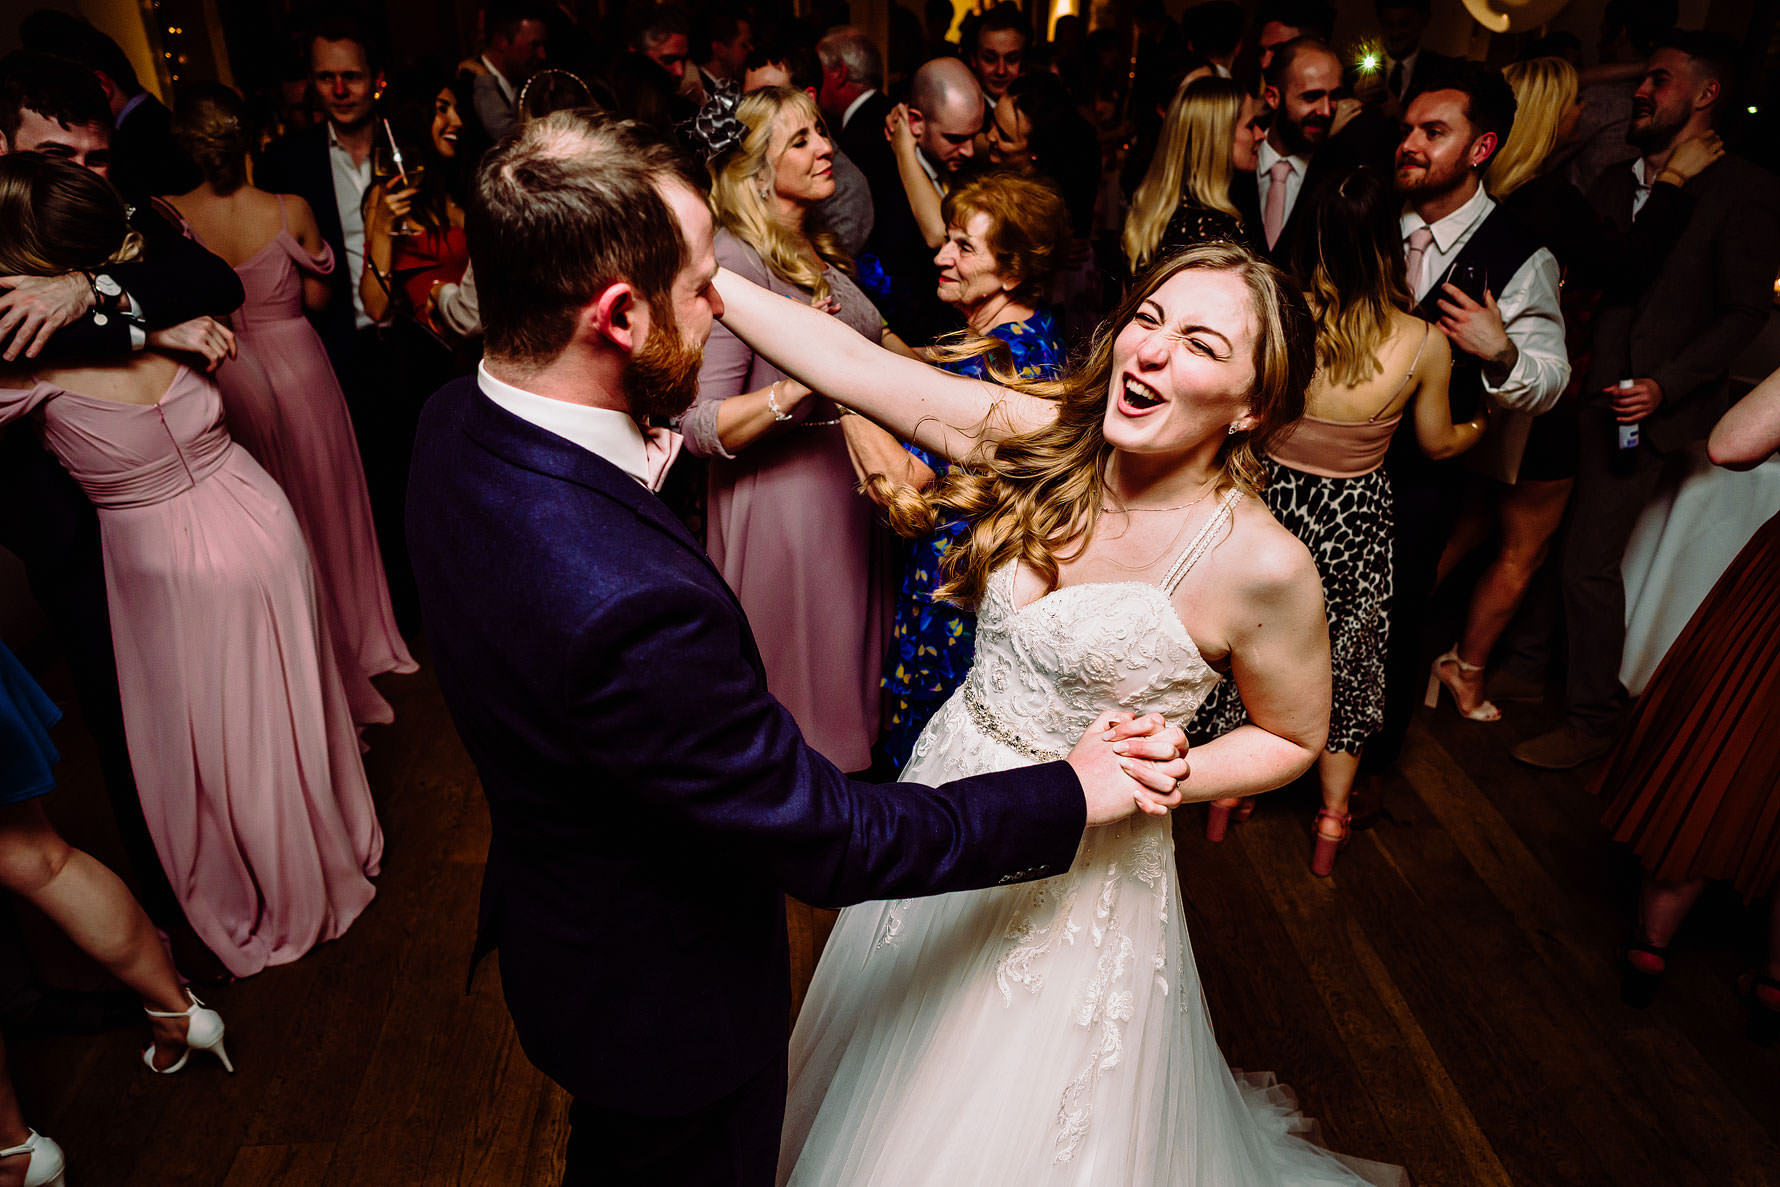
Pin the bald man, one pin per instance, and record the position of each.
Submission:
(945, 114)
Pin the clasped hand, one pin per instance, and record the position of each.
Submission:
(1130, 764)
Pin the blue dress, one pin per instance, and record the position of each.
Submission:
(931, 643)
(26, 753)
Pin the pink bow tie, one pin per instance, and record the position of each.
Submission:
(660, 448)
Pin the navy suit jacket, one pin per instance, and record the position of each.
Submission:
(650, 800)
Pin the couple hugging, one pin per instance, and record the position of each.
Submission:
(1011, 997)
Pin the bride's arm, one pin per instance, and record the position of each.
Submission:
(945, 413)
(1279, 659)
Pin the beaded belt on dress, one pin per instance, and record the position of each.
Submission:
(995, 728)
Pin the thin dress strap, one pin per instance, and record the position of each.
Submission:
(1201, 544)
(283, 215)
(1408, 375)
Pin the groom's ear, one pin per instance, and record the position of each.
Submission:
(617, 315)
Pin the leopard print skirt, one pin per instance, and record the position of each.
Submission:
(1347, 525)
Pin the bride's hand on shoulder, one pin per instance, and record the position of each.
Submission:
(1129, 764)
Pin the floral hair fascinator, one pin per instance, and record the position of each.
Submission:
(715, 130)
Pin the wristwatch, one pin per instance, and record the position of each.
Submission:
(108, 294)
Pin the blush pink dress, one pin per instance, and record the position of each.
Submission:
(309, 448)
(243, 747)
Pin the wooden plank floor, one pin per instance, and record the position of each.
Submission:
(1448, 1000)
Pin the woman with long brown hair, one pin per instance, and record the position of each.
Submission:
(1212, 132)
(1117, 558)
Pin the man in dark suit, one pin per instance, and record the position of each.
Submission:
(650, 800)
(167, 298)
(851, 95)
(1308, 100)
(946, 113)
(1659, 364)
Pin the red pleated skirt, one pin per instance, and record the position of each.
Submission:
(1693, 783)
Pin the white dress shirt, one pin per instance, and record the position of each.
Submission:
(500, 80)
(854, 106)
(1294, 179)
(350, 183)
(1642, 194)
(604, 432)
(1529, 303)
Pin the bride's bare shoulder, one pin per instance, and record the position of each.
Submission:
(1263, 559)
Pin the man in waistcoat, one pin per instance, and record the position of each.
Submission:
(1493, 291)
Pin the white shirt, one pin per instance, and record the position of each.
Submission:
(603, 432)
(1642, 194)
(932, 173)
(350, 183)
(854, 106)
(500, 80)
(1294, 179)
(1529, 303)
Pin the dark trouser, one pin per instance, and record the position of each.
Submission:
(48, 523)
(391, 373)
(733, 1142)
(1604, 508)
(1425, 496)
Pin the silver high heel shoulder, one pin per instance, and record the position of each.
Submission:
(46, 1163)
(203, 1032)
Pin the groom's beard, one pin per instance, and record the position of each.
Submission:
(662, 378)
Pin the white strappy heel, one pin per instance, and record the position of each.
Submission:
(203, 1032)
(46, 1162)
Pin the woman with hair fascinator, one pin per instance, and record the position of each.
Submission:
(793, 537)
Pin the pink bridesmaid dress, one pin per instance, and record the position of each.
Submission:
(244, 750)
(313, 455)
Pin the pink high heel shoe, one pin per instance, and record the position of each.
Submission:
(1322, 858)
(1217, 822)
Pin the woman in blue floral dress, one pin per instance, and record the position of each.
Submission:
(1005, 237)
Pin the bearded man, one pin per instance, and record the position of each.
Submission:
(1494, 292)
(650, 800)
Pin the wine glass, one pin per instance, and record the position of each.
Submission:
(393, 169)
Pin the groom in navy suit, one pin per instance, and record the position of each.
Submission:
(650, 800)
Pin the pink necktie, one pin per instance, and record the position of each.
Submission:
(1412, 262)
(1274, 217)
(660, 448)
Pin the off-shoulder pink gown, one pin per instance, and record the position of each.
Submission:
(240, 737)
(311, 451)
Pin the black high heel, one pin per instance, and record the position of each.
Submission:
(1638, 983)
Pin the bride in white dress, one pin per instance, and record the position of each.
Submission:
(1056, 1032)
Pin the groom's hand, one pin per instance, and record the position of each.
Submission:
(1129, 764)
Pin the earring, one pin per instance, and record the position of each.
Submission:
(1233, 430)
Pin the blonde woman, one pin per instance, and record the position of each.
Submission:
(1527, 470)
(1116, 557)
(1211, 133)
(785, 525)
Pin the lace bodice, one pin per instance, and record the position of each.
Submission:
(1044, 671)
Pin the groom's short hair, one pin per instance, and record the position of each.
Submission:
(563, 207)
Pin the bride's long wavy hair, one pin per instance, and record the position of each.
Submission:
(1036, 496)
